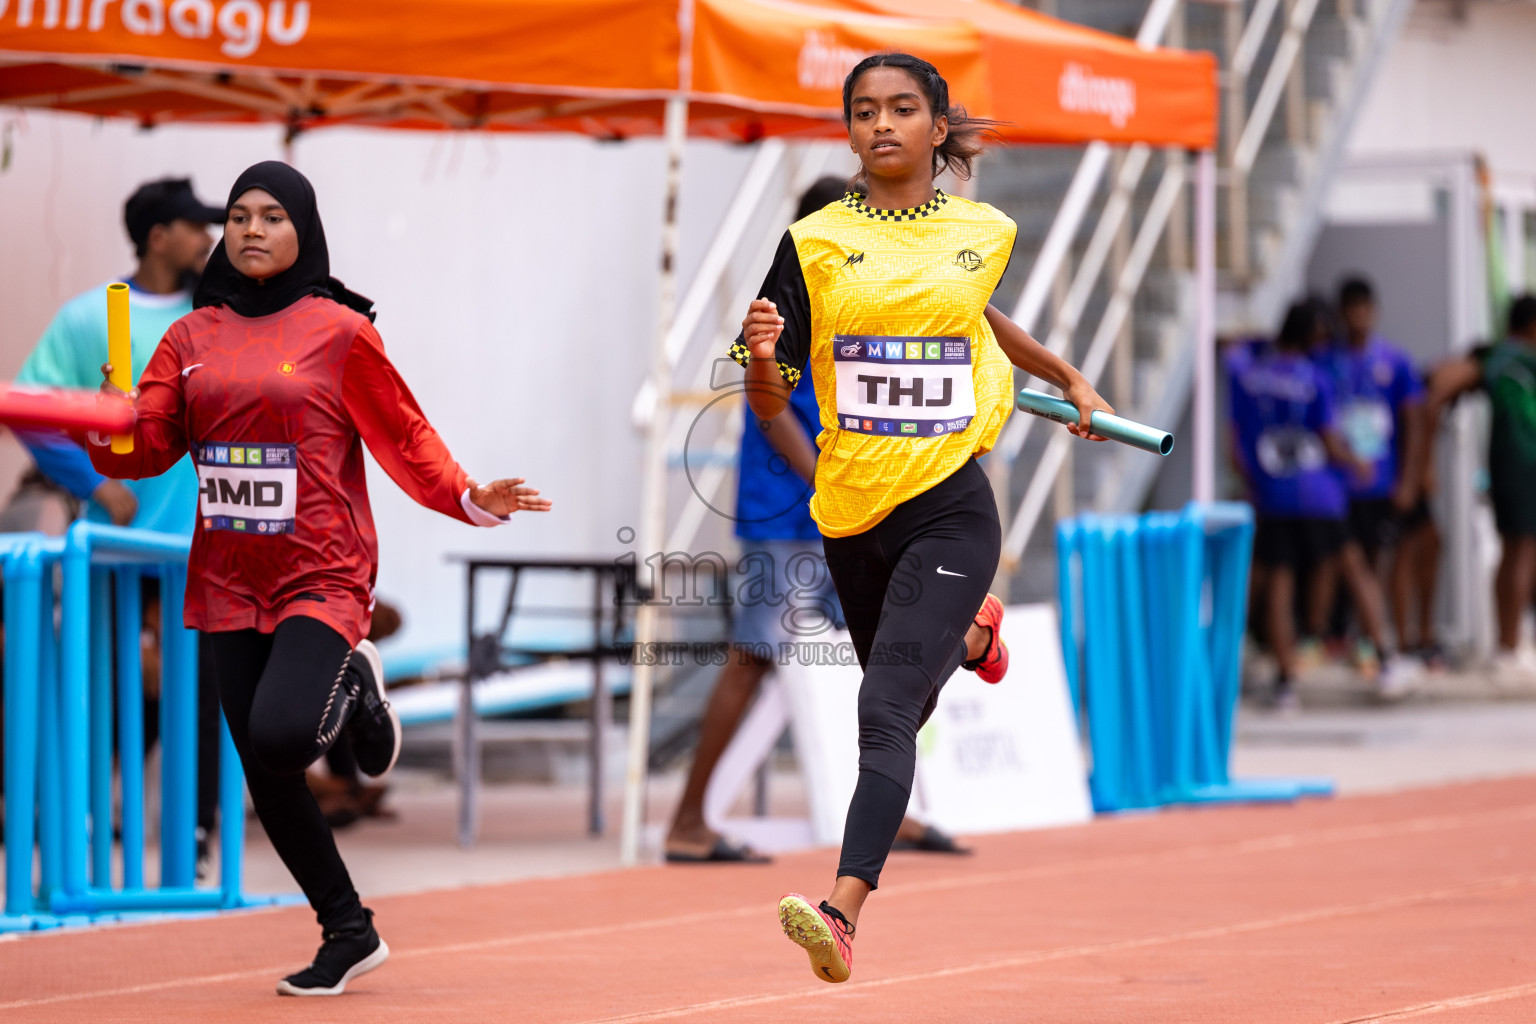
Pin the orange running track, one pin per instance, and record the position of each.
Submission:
(1419, 905)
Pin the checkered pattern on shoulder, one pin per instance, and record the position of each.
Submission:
(743, 356)
(855, 202)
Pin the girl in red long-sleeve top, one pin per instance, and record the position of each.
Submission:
(274, 382)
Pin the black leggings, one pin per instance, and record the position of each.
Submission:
(910, 588)
(286, 695)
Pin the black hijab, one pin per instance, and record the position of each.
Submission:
(223, 285)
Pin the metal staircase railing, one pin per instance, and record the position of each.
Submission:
(1052, 257)
(1265, 41)
(1108, 332)
(1374, 29)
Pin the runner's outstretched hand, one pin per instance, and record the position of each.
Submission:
(503, 497)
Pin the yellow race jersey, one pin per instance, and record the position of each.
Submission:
(888, 307)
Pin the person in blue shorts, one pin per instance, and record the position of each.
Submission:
(1289, 450)
(788, 597)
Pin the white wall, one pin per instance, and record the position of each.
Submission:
(515, 279)
(1457, 82)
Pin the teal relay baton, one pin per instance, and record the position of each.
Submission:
(1116, 428)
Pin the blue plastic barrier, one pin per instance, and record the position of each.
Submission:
(1153, 610)
(59, 754)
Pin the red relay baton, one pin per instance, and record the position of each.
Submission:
(64, 410)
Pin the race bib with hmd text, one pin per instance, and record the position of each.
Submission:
(247, 488)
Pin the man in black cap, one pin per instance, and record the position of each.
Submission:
(169, 227)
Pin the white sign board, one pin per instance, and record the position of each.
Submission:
(824, 721)
(1005, 757)
(991, 759)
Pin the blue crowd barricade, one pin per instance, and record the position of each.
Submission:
(62, 698)
(1153, 611)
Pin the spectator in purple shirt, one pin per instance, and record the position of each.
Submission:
(1379, 397)
(1287, 445)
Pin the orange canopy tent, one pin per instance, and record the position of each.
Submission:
(729, 69)
(749, 68)
(1053, 81)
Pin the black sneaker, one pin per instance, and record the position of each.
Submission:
(374, 727)
(342, 957)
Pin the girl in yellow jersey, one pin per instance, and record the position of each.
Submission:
(885, 295)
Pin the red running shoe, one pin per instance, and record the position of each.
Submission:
(823, 932)
(993, 664)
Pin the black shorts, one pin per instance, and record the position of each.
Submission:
(1414, 518)
(1514, 508)
(1374, 523)
(1296, 542)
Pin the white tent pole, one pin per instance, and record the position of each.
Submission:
(653, 489)
(653, 496)
(1205, 327)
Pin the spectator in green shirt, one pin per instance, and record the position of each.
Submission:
(1506, 371)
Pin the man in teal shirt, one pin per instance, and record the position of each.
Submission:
(169, 229)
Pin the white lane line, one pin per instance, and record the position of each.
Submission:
(1206, 851)
(395, 954)
(1093, 949)
(1262, 844)
(152, 986)
(1497, 995)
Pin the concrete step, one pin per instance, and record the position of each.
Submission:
(1327, 78)
(1203, 27)
(1272, 206)
(1280, 165)
(1332, 36)
(1121, 17)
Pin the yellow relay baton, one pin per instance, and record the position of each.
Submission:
(119, 354)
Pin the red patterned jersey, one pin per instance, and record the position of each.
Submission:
(274, 410)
